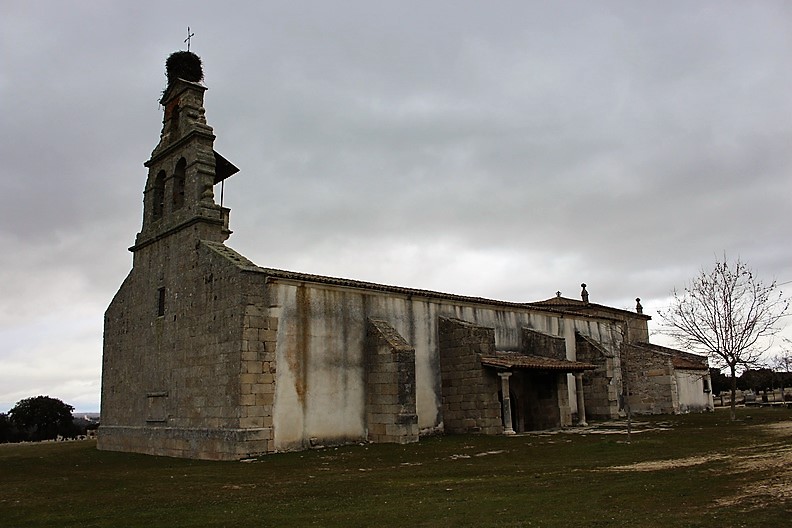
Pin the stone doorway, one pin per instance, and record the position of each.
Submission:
(535, 404)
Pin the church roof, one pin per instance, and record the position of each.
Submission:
(680, 359)
(515, 360)
(566, 304)
(247, 265)
(686, 364)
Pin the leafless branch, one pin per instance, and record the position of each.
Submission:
(728, 314)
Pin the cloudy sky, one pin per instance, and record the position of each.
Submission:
(498, 149)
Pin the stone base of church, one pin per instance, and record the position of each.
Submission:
(206, 444)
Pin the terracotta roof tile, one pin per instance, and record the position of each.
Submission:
(682, 363)
(515, 360)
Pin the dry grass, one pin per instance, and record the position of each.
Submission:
(693, 470)
(773, 458)
(661, 465)
(739, 464)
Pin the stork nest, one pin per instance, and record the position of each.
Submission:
(184, 65)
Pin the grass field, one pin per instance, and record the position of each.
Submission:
(677, 471)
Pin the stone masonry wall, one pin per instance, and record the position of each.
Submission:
(390, 385)
(600, 390)
(540, 344)
(649, 379)
(194, 381)
(540, 400)
(469, 392)
(564, 413)
(258, 365)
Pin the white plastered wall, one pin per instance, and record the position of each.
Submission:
(320, 377)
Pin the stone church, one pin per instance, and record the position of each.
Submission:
(208, 355)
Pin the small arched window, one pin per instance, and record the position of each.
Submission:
(158, 201)
(178, 183)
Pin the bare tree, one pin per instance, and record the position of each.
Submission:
(728, 314)
(783, 360)
(782, 364)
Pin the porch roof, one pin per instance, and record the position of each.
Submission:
(515, 360)
(686, 364)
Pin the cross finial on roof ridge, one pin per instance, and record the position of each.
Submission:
(189, 37)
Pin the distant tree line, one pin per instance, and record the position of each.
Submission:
(758, 380)
(41, 418)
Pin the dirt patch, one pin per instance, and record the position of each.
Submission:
(775, 457)
(780, 428)
(659, 465)
(611, 427)
(743, 465)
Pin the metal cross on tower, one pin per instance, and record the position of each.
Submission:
(189, 36)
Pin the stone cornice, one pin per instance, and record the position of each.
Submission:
(164, 152)
(178, 227)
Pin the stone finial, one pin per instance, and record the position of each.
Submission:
(638, 306)
(584, 294)
(558, 293)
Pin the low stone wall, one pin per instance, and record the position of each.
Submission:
(206, 444)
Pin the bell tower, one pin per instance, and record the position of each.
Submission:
(175, 332)
(184, 167)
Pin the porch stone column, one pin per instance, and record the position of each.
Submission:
(508, 429)
(581, 404)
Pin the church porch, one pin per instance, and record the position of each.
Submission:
(533, 390)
